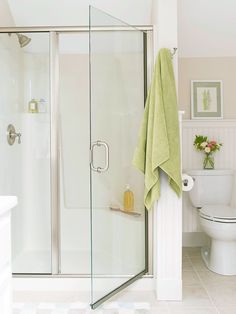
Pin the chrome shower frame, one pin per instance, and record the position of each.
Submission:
(54, 33)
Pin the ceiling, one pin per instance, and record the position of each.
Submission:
(76, 12)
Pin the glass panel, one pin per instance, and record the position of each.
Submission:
(25, 165)
(117, 103)
(74, 163)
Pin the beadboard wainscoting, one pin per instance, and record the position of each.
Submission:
(223, 131)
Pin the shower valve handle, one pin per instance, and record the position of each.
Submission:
(19, 137)
(12, 135)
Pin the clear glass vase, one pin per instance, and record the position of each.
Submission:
(208, 162)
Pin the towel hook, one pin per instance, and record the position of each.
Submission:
(173, 51)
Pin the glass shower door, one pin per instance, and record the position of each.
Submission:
(118, 236)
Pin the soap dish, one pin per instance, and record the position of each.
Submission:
(132, 213)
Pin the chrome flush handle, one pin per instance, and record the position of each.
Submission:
(12, 135)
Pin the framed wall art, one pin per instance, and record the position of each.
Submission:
(206, 99)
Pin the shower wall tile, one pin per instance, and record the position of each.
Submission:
(223, 131)
(11, 97)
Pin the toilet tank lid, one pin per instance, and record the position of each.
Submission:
(202, 172)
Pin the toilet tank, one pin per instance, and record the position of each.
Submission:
(211, 187)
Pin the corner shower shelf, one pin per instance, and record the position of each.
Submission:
(132, 213)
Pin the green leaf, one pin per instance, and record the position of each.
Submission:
(199, 139)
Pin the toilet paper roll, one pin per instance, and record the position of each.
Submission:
(187, 182)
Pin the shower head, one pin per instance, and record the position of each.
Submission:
(23, 40)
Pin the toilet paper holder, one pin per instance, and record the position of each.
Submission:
(185, 181)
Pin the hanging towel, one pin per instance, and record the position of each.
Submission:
(159, 144)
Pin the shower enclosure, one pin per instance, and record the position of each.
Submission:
(71, 103)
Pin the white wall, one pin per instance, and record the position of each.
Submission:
(11, 64)
(207, 48)
(223, 68)
(168, 210)
(22, 166)
(6, 18)
(34, 198)
(207, 28)
(35, 150)
(26, 166)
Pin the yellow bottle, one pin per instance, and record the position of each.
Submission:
(128, 199)
(33, 106)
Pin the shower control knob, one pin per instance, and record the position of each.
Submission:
(12, 135)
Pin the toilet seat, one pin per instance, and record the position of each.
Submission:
(218, 213)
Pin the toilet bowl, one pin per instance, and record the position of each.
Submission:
(211, 194)
(219, 223)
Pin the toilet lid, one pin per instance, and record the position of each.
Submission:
(218, 212)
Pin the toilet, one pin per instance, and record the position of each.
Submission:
(211, 195)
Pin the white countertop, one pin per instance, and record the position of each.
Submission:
(6, 203)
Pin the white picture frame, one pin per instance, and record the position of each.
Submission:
(206, 99)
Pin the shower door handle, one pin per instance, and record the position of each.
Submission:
(106, 147)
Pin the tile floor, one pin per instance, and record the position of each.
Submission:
(204, 292)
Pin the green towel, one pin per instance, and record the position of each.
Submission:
(159, 144)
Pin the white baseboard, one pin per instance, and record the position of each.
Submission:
(169, 290)
(195, 239)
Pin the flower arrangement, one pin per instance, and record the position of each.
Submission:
(202, 143)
